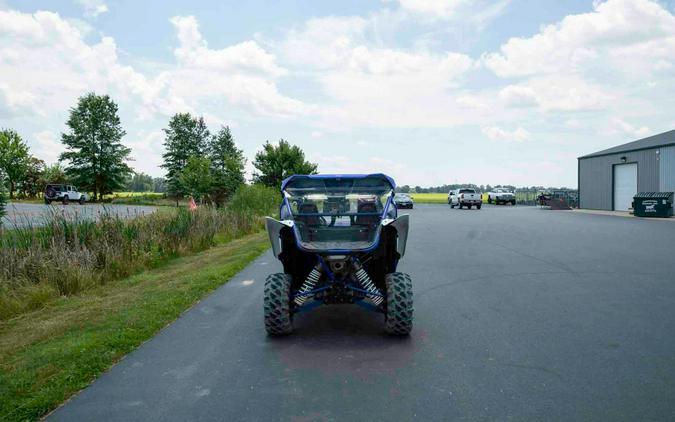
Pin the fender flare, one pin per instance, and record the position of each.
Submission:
(401, 224)
(274, 228)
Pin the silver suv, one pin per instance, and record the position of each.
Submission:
(64, 193)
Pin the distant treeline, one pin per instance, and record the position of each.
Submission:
(479, 188)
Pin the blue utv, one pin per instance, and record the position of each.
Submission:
(339, 239)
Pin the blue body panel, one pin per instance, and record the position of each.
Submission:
(289, 179)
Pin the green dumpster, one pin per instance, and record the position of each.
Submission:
(653, 204)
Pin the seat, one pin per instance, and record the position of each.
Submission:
(365, 220)
(309, 208)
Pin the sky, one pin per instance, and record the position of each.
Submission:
(430, 92)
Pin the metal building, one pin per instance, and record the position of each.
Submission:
(609, 179)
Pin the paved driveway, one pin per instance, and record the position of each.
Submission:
(21, 214)
(520, 313)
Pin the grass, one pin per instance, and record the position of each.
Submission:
(48, 355)
(68, 256)
(430, 198)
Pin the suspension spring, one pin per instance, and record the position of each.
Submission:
(308, 285)
(367, 283)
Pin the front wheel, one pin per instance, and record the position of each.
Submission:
(513, 202)
(81, 201)
(278, 319)
(48, 201)
(399, 316)
(489, 200)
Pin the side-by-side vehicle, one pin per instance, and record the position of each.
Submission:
(340, 240)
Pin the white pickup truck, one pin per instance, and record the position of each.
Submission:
(464, 197)
(501, 196)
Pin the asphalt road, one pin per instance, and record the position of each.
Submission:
(520, 313)
(25, 214)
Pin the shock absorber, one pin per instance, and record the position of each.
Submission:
(367, 283)
(309, 284)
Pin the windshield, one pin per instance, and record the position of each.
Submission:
(467, 191)
(402, 196)
(339, 213)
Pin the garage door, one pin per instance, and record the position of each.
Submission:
(625, 185)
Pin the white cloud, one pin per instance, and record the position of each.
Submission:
(629, 129)
(371, 85)
(479, 12)
(498, 134)
(560, 93)
(46, 65)
(47, 146)
(615, 31)
(93, 8)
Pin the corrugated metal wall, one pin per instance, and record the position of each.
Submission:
(667, 173)
(595, 176)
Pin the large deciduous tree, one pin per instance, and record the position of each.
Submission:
(196, 177)
(227, 165)
(276, 162)
(31, 184)
(54, 174)
(185, 137)
(94, 151)
(14, 158)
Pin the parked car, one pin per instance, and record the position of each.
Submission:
(403, 200)
(465, 197)
(501, 196)
(64, 193)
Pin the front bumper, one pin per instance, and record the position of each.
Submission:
(403, 204)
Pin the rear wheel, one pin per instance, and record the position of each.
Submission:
(399, 317)
(460, 205)
(277, 304)
(81, 201)
(513, 202)
(65, 200)
(489, 200)
(478, 206)
(468, 206)
(48, 201)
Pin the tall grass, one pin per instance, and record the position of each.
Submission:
(69, 255)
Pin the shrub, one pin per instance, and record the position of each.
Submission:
(257, 199)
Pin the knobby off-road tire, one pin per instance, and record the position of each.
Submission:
(399, 317)
(277, 304)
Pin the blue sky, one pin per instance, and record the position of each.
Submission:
(429, 91)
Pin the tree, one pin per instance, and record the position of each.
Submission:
(97, 158)
(227, 164)
(140, 182)
(159, 185)
(276, 162)
(31, 184)
(185, 137)
(54, 174)
(196, 178)
(13, 158)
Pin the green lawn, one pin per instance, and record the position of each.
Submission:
(48, 355)
(430, 198)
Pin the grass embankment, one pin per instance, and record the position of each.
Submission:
(69, 308)
(68, 256)
(49, 354)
